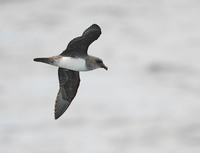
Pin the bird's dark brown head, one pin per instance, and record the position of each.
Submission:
(101, 64)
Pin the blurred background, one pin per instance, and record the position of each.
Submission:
(148, 101)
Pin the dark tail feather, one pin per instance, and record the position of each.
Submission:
(43, 60)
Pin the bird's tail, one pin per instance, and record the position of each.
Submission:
(44, 60)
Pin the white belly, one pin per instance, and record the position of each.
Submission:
(76, 64)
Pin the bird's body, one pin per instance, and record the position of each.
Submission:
(70, 62)
(76, 64)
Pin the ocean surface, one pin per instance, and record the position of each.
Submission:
(147, 102)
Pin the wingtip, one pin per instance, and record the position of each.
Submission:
(56, 116)
(94, 24)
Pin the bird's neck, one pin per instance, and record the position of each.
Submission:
(90, 62)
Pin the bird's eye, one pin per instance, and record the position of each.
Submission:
(98, 61)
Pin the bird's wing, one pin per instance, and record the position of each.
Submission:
(78, 46)
(69, 82)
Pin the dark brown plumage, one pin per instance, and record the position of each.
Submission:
(72, 60)
(78, 46)
(69, 82)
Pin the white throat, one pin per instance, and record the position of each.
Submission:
(76, 64)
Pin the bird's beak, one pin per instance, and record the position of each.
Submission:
(105, 67)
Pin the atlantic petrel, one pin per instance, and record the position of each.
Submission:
(72, 60)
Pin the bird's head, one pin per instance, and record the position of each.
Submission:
(100, 64)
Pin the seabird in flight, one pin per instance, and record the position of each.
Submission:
(72, 60)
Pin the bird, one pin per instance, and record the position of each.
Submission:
(70, 62)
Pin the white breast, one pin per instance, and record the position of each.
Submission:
(76, 64)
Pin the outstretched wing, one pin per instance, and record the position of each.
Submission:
(79, 46)
(69, 82)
